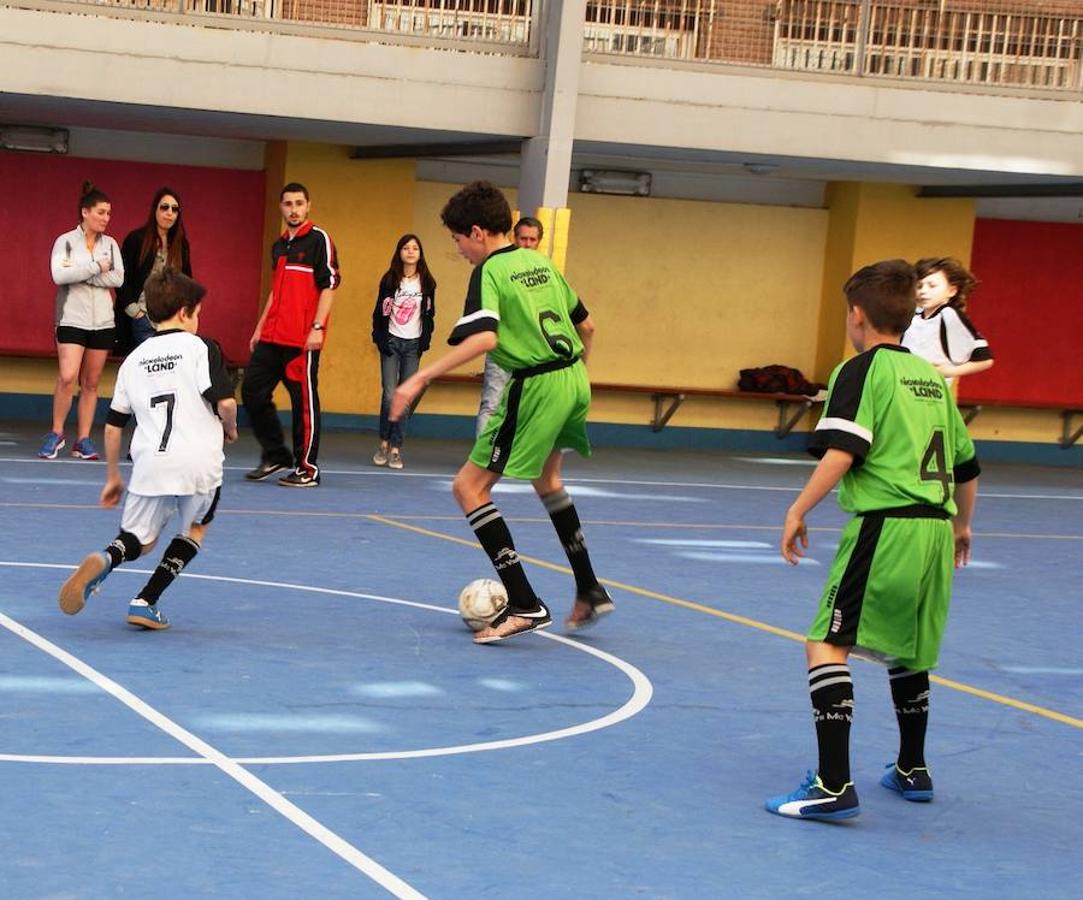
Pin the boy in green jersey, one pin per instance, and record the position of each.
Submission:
(892, 435)
(521, 311)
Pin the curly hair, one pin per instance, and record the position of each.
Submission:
(480, 203)
(956, 274)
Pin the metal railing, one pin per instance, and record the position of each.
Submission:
(1001, 43)
(981, 42)
(493, 24)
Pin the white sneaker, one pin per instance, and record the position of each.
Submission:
(380, 456)
(394, 459)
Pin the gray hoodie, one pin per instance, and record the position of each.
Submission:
(83, 298)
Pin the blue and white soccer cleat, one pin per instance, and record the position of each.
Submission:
(144, 615)
(813, 801)
(915, 785)
(86, 579)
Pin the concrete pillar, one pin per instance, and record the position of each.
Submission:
(547, 158)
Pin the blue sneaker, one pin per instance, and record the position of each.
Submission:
(813, 801)
(51, 445)
(84, 449)
(916, 785)
(84, 581)
(145, 615)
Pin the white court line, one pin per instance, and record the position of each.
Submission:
(641, 695)
(368, 866)
(375, 472)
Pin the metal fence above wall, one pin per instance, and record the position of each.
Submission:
(1033, 44)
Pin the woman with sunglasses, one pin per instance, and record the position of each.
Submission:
(158, 244)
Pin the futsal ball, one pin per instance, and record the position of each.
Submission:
(481, 601)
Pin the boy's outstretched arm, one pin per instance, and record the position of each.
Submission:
(828, 473)
(966, 495)
(114, 484)
(471, 347)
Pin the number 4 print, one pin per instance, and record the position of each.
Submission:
(934, 464)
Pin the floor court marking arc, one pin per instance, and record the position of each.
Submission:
(1003, 700)
(286, 808)
(642, 692)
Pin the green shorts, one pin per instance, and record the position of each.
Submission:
(889, 589)
(537, 415)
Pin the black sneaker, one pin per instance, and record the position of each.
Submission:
(537, 619)
(915, 785)
(300, 479)
(264, 470)
(600, 605)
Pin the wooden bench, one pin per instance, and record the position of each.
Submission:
(1069, 434)
(667, 400)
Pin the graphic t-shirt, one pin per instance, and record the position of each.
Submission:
(947, 337)
(403, 311)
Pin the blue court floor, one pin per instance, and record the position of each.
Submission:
(317, 722)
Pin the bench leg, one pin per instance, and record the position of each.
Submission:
(786, 424)
(662, 416)
(1069, 437)
(970, 413)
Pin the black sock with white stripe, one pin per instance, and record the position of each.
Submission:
(910, 693)
(565, 519)
(832, 692)
(181, 551)
(495, 539)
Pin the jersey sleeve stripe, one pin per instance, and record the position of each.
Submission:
(580, 313)
(833, 439)
(474, 323)
(830, 423)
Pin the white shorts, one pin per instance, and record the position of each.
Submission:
(145, 517)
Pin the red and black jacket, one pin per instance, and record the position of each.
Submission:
(303, 265)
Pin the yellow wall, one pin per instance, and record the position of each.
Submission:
(682, 293)
(871, 222)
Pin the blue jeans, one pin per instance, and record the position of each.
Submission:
(141, 330)
(492, 390)
(395, 368)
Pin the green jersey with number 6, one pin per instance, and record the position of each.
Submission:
(895, 414)
(519, 294)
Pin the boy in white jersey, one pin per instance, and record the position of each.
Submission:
(177, 387)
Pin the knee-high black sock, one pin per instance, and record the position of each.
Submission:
(495, 539)
(832, 693)
(566, 522)
(910, 694)
(181, 551)
(125, 546)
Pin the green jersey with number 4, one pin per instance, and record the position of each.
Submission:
(519, 294)
(895, 414)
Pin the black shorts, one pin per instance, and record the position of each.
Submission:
(99, 339)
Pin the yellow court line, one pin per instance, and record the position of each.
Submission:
(744, 620)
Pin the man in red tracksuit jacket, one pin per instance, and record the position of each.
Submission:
(287, 342)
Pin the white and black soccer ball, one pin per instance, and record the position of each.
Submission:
(481, 601)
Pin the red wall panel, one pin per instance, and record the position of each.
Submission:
(1030, 308)
(223, 216)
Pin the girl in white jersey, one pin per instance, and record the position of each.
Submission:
(176, 386)
(941, 332)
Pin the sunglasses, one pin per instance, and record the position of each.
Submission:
(168, 207)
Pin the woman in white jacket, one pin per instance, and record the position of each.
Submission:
(86, 265)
